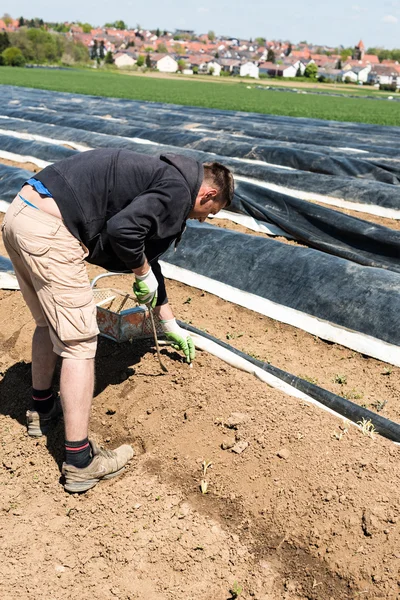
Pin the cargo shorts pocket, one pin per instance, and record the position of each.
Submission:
(75, 315)
(35, 254)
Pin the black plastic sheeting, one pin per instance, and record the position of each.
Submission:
(334, 232)
(362, 191)
(11, 181)
(357, 298)
(305, 160)
(322, 228)
(360, 136)
(347, 409)
(6, 265)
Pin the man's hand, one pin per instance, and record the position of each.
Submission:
(145, 288)
(180, 339)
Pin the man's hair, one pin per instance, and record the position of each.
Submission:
(221, 178)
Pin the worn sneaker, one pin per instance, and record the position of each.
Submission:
(38, 424)
(105, 464)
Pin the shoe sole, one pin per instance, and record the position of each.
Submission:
(84, 486)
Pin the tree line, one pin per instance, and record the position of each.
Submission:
(37, 46)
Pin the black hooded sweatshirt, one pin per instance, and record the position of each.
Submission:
(124, 206)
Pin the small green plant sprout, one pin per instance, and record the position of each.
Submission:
(367, 427)
(203, 486)
(233, 336)
(342, 379)
(235, 590)
(387, 371)
(188, 300)
(353, 395)
(379, 405)
(206, 464)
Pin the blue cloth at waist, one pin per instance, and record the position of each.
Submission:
(39, 187)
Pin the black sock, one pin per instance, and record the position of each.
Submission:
(43, 400)
(78, 454)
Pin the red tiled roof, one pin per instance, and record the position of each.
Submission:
(371, 58)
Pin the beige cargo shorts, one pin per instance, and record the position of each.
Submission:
(49, 264)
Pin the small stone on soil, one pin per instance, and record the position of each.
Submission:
(228, 444)
(240, 447)
(236, 419)
(283, 453)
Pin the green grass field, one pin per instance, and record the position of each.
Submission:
(235, 96)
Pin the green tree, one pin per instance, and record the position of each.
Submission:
(21, 22)
(289, 50)
(4, 41)
(181, 65)
(13, 57)
(148, 61)
(140, 61)
(311, 71)
(93, 50)
(158, 32)
(7, 19)
(271, 56)
(211, 36)
(86, 27)
(260, 41)
(162, 48)
(102, 50)
(346, 53)
(178, 49)
(109, 59)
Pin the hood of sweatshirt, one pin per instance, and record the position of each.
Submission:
(190, 169)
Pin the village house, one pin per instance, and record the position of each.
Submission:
(384, 75)
(249, 69)
(125, 59)
(164, 63)
(275, 70)
(356, 73)
(229, 65)
(214, 67)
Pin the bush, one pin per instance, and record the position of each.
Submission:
(225, 73)
(13, 57)
(388, 87)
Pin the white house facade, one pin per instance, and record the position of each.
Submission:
(122, 60)
(167, 64)
(249, 69)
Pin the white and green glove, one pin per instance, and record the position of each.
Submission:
(145, 288)
(180, 339)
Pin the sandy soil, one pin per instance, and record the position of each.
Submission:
(309, 510)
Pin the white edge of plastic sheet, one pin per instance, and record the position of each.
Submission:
(4, 206)
(238, 362)
(20, 158)
(8, 281)
(251, 223)
(41, 138)
(372, 209)
(359, 342)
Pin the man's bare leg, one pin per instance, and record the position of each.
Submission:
(43, 359)
(76, 390)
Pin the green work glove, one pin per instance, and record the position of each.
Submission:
(145, 288)
(180, 339)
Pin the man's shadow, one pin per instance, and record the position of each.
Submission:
(114, 363)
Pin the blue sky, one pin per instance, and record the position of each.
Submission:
(336, 22)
